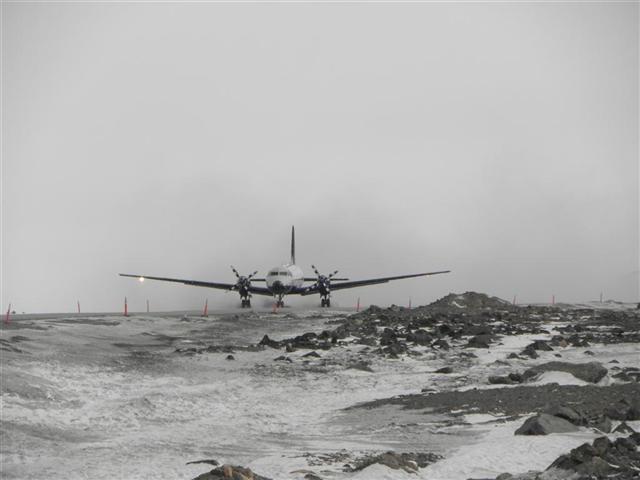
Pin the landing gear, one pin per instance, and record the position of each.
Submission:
(280, 304)
(246, 303)
(325, 302)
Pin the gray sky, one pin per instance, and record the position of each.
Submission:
(496, 140)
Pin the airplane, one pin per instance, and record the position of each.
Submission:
(286, 279)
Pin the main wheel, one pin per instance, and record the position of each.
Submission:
(328, 303)
(280, 303)
(248, 303)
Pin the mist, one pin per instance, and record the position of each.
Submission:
(496, 140)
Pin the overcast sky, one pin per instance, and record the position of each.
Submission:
(497, 140)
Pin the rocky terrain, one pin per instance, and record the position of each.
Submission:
(469, 386)
(468, 337)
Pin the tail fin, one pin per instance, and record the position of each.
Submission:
(293, 245)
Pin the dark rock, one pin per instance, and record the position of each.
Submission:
(312, 476)
(567, 413)
(622, 410)
(602, 423)
(516, 377)
(543, 424)
(267, 342)
(388, 337)
(442, 344)
(601, 445)
(289, 348)
(311, 354)
(213, 462)
(589, 372)
(230, 357)
(480, 341)
(504, 476)
(419, 337)
(540, 345)
(529, 351)
(395, 349)
(595, 467)
(369, 341)
(409, 462)
(444, 329)
(498, 380)
(589, 352)
(444, 370)
(230, 472)
(623, 428)
(282, 358)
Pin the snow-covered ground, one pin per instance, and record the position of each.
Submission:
(108, 397)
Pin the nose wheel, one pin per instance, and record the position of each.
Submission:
(246, 303)
(325, 302)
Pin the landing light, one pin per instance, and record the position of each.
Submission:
(141, 279)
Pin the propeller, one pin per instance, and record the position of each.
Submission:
(244, 282)
(323, 283)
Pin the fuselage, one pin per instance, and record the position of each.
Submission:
(283, 278)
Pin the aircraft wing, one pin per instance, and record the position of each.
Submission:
(197, 283)
(370, 281)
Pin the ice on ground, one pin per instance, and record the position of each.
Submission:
(498, 451)
(561, 378)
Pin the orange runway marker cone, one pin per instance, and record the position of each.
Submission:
(126, 308)
(7, 317)
(205, 312)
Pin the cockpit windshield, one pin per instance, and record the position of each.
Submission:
(281, 273)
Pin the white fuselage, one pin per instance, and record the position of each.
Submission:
(283, 278)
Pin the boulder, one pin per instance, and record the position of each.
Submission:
(602, 423)
(500, 380)
(480, 341)
(543, 424)
(623, 428)
(419, 337)
(444, 370)
(441, 344)
(230, 357)
(409, 462)
(540, 345)
(267, 342)
(568, 413)
(591, 372)
(282, 358)
(388, 337)
(624, 410)
(230, 472)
